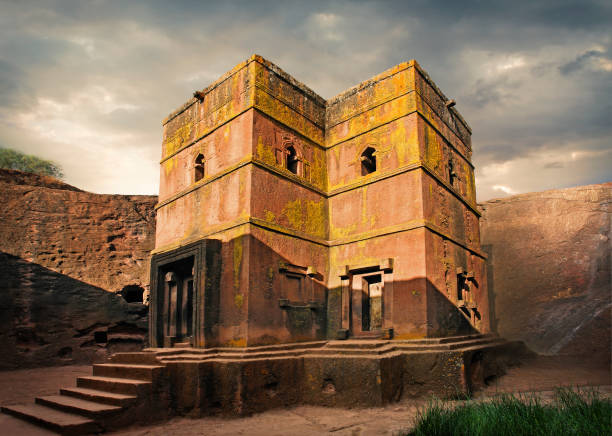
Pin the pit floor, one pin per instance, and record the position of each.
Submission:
(540, 375)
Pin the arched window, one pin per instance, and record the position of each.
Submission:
(368, 161)
(199, 168)
(292, 160)
(452, 175)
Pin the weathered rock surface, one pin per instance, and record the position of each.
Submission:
(61, 251)
(549, 269)
(103, 240)
(20, 178)
(47, 318)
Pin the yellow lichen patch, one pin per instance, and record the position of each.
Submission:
(287, 93)
(237, 261)
(381, 89)
(316, 218)
(238, 300)
(242, 184)
(319, 169)
(342, 232)
(371, 119)
(406, 144)
(225, 110)
(270, 217)
(237, 343)
(293, 212)
(265, 152)
(180, 137)
(470, 188)
(433, 149)
(170, 165)
(364, 205)
(283, 113)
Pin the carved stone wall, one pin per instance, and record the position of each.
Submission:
(549, 269)
(103, 240)
(61, 251)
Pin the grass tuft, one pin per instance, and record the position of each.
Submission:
(570, 413)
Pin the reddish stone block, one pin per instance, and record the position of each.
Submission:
(352, 217)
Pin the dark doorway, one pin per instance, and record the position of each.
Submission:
(371, 306)
(177, 291)
(367, 305)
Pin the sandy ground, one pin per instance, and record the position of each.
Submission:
(541, 375)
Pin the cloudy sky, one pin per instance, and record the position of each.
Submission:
(87, 83)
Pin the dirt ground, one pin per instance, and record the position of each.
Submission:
(541, 375)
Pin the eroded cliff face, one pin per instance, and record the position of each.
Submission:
(64, 254)
(549, 269)
(103, 240)
(48, 318)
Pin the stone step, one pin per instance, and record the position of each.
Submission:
(99, 396)
(445, 339)
(181, 345)
(231, 355)
(161, 352)
(465, 338)
(492, 343)
(115, 385)
(143, 358)
(471, 343)
(279, 347)
(78, 406)
(186, 356)
(160, 355)
(354, 351)
(129, 371)
(358, 344)
(342, 348)
(60, 422)
(375, 343)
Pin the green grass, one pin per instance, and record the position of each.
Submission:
(570, 413)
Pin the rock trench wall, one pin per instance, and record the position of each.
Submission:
(103, 240)
(62, 250)
(64, 253)
(549, 269)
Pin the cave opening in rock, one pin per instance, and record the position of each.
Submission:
(132, 293)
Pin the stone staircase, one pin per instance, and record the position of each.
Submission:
(152, 384)
(117, 394)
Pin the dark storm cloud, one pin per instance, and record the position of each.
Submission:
(88, 82)
(582, 61)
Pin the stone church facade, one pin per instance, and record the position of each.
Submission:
(283, 217)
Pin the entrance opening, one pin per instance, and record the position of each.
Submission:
(177, 294)
(371, 303)
(132, 293)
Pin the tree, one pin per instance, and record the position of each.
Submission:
(15, 160)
